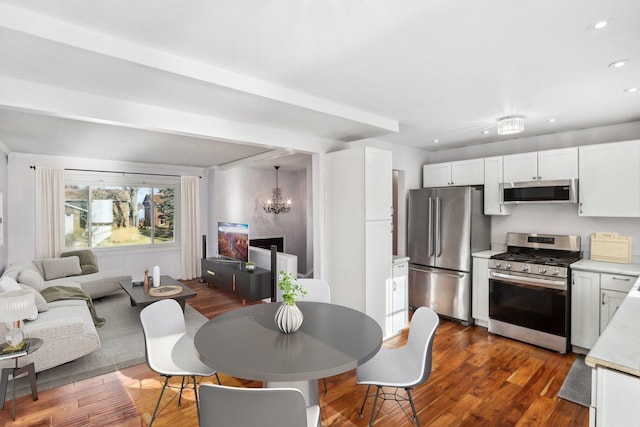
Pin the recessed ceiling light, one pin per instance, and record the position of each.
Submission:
(552, 120)
(631, 90)
(436, 140)
(600, 25)
(619, 64)
(485, 132)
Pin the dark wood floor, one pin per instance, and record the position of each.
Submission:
(478, 379)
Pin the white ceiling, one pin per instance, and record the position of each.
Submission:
(406, 72)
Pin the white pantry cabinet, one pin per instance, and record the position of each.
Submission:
(480, 291)
(462, 172)
(358, 228)
(545, 165)
(613, 290)
(492, 181)
(609, 183)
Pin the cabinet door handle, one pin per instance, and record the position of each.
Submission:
(213, 273)
(624, 279)
(603, 298)
(580, 207)
(395, 286)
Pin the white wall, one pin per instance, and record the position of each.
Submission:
(21, 212)
(238, 194)
(5, 191)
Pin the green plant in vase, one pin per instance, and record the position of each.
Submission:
(290, 288)
(288, 316)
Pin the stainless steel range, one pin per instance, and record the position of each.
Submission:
(529, 292)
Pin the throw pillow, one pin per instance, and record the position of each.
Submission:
(31, 278)
(55, 268)
(41, 303)
(8, 284)
(88, 260)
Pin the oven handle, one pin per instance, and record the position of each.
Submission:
(520, 280)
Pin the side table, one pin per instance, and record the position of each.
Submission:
(34, 344)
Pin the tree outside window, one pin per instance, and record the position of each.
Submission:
(108, 216)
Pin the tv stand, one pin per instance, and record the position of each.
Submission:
(231, 276)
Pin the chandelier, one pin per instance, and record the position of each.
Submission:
(275, 204)
(510, 125)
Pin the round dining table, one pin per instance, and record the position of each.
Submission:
(246, 343)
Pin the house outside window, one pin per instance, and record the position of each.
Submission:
(103, 216)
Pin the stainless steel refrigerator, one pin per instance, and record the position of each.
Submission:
(445, 226)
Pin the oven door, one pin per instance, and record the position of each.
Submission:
(530, 302)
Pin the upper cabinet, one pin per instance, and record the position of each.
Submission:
(378, 184)
(543, 165)
(492, 179)
(463, 172)
(609, 184)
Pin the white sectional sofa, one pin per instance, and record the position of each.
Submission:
(65, 326)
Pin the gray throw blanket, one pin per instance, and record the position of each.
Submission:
(55, 293)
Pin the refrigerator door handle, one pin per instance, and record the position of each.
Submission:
(430, 226)
(438, 226)
(439, 272)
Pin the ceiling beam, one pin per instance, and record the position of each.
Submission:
(84, 38)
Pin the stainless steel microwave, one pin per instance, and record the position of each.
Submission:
(560, 191)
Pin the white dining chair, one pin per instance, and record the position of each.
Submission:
(169, 350)
(253, 407)
(404, 367)
(318, 290)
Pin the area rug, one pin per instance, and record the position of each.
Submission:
(577, 386)
(122, 345)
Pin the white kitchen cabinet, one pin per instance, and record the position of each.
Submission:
(378, 184)
(492, 187)
(609, 184)
(480, 291)
(616, 397)
(585, 308)
(462, 172)
(613, 290)
(398, 299)
(546, 165)
(358, 251)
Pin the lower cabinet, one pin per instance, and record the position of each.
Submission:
(480, 292)
(613, 399)
(233, 278)
(595, 297)
(397, 300)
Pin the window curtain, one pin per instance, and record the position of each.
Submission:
(190, 246)
(49, 212)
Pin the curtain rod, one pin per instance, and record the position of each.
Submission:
(118, 172)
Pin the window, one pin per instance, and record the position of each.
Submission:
(98, 216)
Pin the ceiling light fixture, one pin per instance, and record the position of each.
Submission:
(275, 204)
(619, 64)
(631, 90)
(510, 125)
(552, 120)
(485, 132)
(436, 141)
(600, 25)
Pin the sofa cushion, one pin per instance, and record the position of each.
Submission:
(55, 268)
(41, 303)
(32, 279)
(88, 260)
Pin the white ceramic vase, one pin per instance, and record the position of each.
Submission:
(288, 318)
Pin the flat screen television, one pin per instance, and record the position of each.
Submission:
(233, 241)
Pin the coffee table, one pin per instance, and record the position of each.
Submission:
(140, 297)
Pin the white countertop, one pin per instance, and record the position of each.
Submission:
(619, 345)
(399, 259)
(486, 254)
(606, 267)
